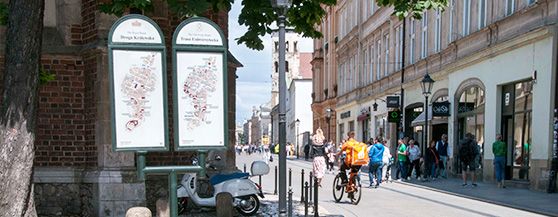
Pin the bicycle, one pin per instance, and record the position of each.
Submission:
(353, 187)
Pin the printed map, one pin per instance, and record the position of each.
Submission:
(136, 87)
(198, 87)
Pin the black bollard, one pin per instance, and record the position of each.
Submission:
(316, 199)
(311, 183)
(244, 168)
(302, 187)
(260, 179)
(290, 206)
(290, 177)
(275, 192)
(306, 199)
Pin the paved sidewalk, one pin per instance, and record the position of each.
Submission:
(269, 208)
(523, 199)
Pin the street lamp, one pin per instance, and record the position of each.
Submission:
(297, 125)
(426, 85)
(281, 7)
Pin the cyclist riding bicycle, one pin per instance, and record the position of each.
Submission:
(348, 147)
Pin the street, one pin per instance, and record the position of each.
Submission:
(390, 199)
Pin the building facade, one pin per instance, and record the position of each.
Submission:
(491, 60)
(76, 172)
(324, 76)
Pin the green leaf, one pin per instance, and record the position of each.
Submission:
(45, 76)
(3, 13)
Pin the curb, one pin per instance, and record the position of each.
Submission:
(480, 199)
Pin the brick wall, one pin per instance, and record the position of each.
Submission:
(60, 133)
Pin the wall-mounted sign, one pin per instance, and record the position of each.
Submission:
(200, 72)
(441, 109)
(394, 116)
(137, 85)
(392, 101)
(346, 114)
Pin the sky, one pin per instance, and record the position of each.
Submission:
(253, 86)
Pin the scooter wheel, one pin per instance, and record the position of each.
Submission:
(249, 205)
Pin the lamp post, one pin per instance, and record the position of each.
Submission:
(328, 118)
(281, 7)
(426, 85)
(296, 138)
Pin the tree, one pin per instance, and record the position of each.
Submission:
(19, 98)
(258, 15)
(24, 19)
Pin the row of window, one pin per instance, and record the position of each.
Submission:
(373, 62)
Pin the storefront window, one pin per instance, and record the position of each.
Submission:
(522, 130)
(341, 133)
(470, 114)
(365, 130)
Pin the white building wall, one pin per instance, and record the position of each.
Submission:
(515, 65)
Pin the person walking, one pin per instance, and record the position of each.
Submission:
(442, 148)
(331, 157)
(431, 161)
(402, 159)
(376, 155)
(414, 158)
(468, 152)
(499, 151)
(318, 149)
(386, 160)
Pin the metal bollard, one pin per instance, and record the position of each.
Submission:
(260, 180)
(290, 177)
(311, 183)
(306, 199)
(244, 168)
(302, 187)
(316, 199)
(290, 205)
(275, 192)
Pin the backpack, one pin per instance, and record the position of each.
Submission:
(359, 154)
(467, 151)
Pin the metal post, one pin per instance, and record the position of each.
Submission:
(290, 177)
(302, 186)
(202, 154)
(311, 183)
(290, 212)
(172, 193)
(275, 191)
(306, 199)
(316, 199)
(297, 123)
(141, 165)
(282, 118)
(426, 141)
(244, 168)
(260, 180)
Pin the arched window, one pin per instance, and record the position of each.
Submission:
(470, 116)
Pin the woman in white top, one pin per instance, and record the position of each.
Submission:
(386, 160)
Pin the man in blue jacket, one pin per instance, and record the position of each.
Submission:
(376, 154)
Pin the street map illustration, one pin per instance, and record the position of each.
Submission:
(138, 86)
(200, 98)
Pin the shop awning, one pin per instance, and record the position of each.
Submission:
(363, 117)
(420, 119)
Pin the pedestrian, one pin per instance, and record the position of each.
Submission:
(386, 160)
(468, 152)
(402, 159)
(306, 152)
(499, 151)
(318, 149)
(376, 155)
(442, 148)
(431, 161)
(414, 158)
(330, 156)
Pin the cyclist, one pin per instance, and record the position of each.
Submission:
(347, 148)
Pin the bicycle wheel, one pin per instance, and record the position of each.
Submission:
(357, 194)
(338, 188)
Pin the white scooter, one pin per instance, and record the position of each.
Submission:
(244, 191)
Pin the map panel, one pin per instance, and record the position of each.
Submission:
(200, 99)
(138, 96)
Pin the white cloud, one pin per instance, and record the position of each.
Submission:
(249, 94)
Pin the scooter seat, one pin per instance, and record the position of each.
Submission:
(224, 177)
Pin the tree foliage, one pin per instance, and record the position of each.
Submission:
(258, 15)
